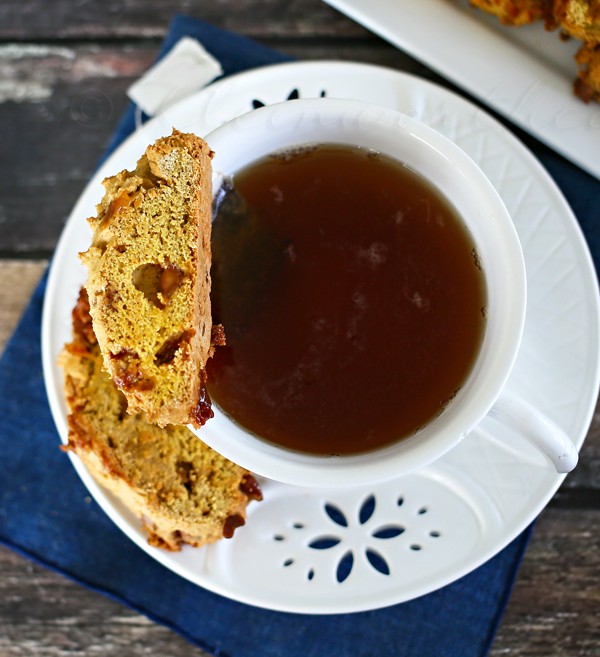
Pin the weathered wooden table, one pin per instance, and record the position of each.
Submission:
(64, 70)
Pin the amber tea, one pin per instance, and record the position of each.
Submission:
(352, 298)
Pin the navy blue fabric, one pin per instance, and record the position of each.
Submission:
(47, 515)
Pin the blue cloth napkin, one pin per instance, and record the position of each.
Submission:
(46, 514)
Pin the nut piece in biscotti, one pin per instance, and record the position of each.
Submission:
(149, 280)
(183, 491)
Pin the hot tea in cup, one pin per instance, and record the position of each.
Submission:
(353, 298)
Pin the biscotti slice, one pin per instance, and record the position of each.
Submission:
(183, 491)
(149, 280)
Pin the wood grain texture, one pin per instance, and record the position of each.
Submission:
(19, 277)
(43, 613)
(22, 19)
(554, 609)
(62, 104)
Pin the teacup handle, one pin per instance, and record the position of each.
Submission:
(531, 423)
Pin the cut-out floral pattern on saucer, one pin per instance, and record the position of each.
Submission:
(353, 540)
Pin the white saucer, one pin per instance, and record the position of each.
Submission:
(416, 534)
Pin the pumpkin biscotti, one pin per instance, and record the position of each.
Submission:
(183, 491)
(149, 280)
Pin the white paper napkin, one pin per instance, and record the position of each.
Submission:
(187, 68)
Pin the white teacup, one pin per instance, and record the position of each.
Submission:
(301, 122)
